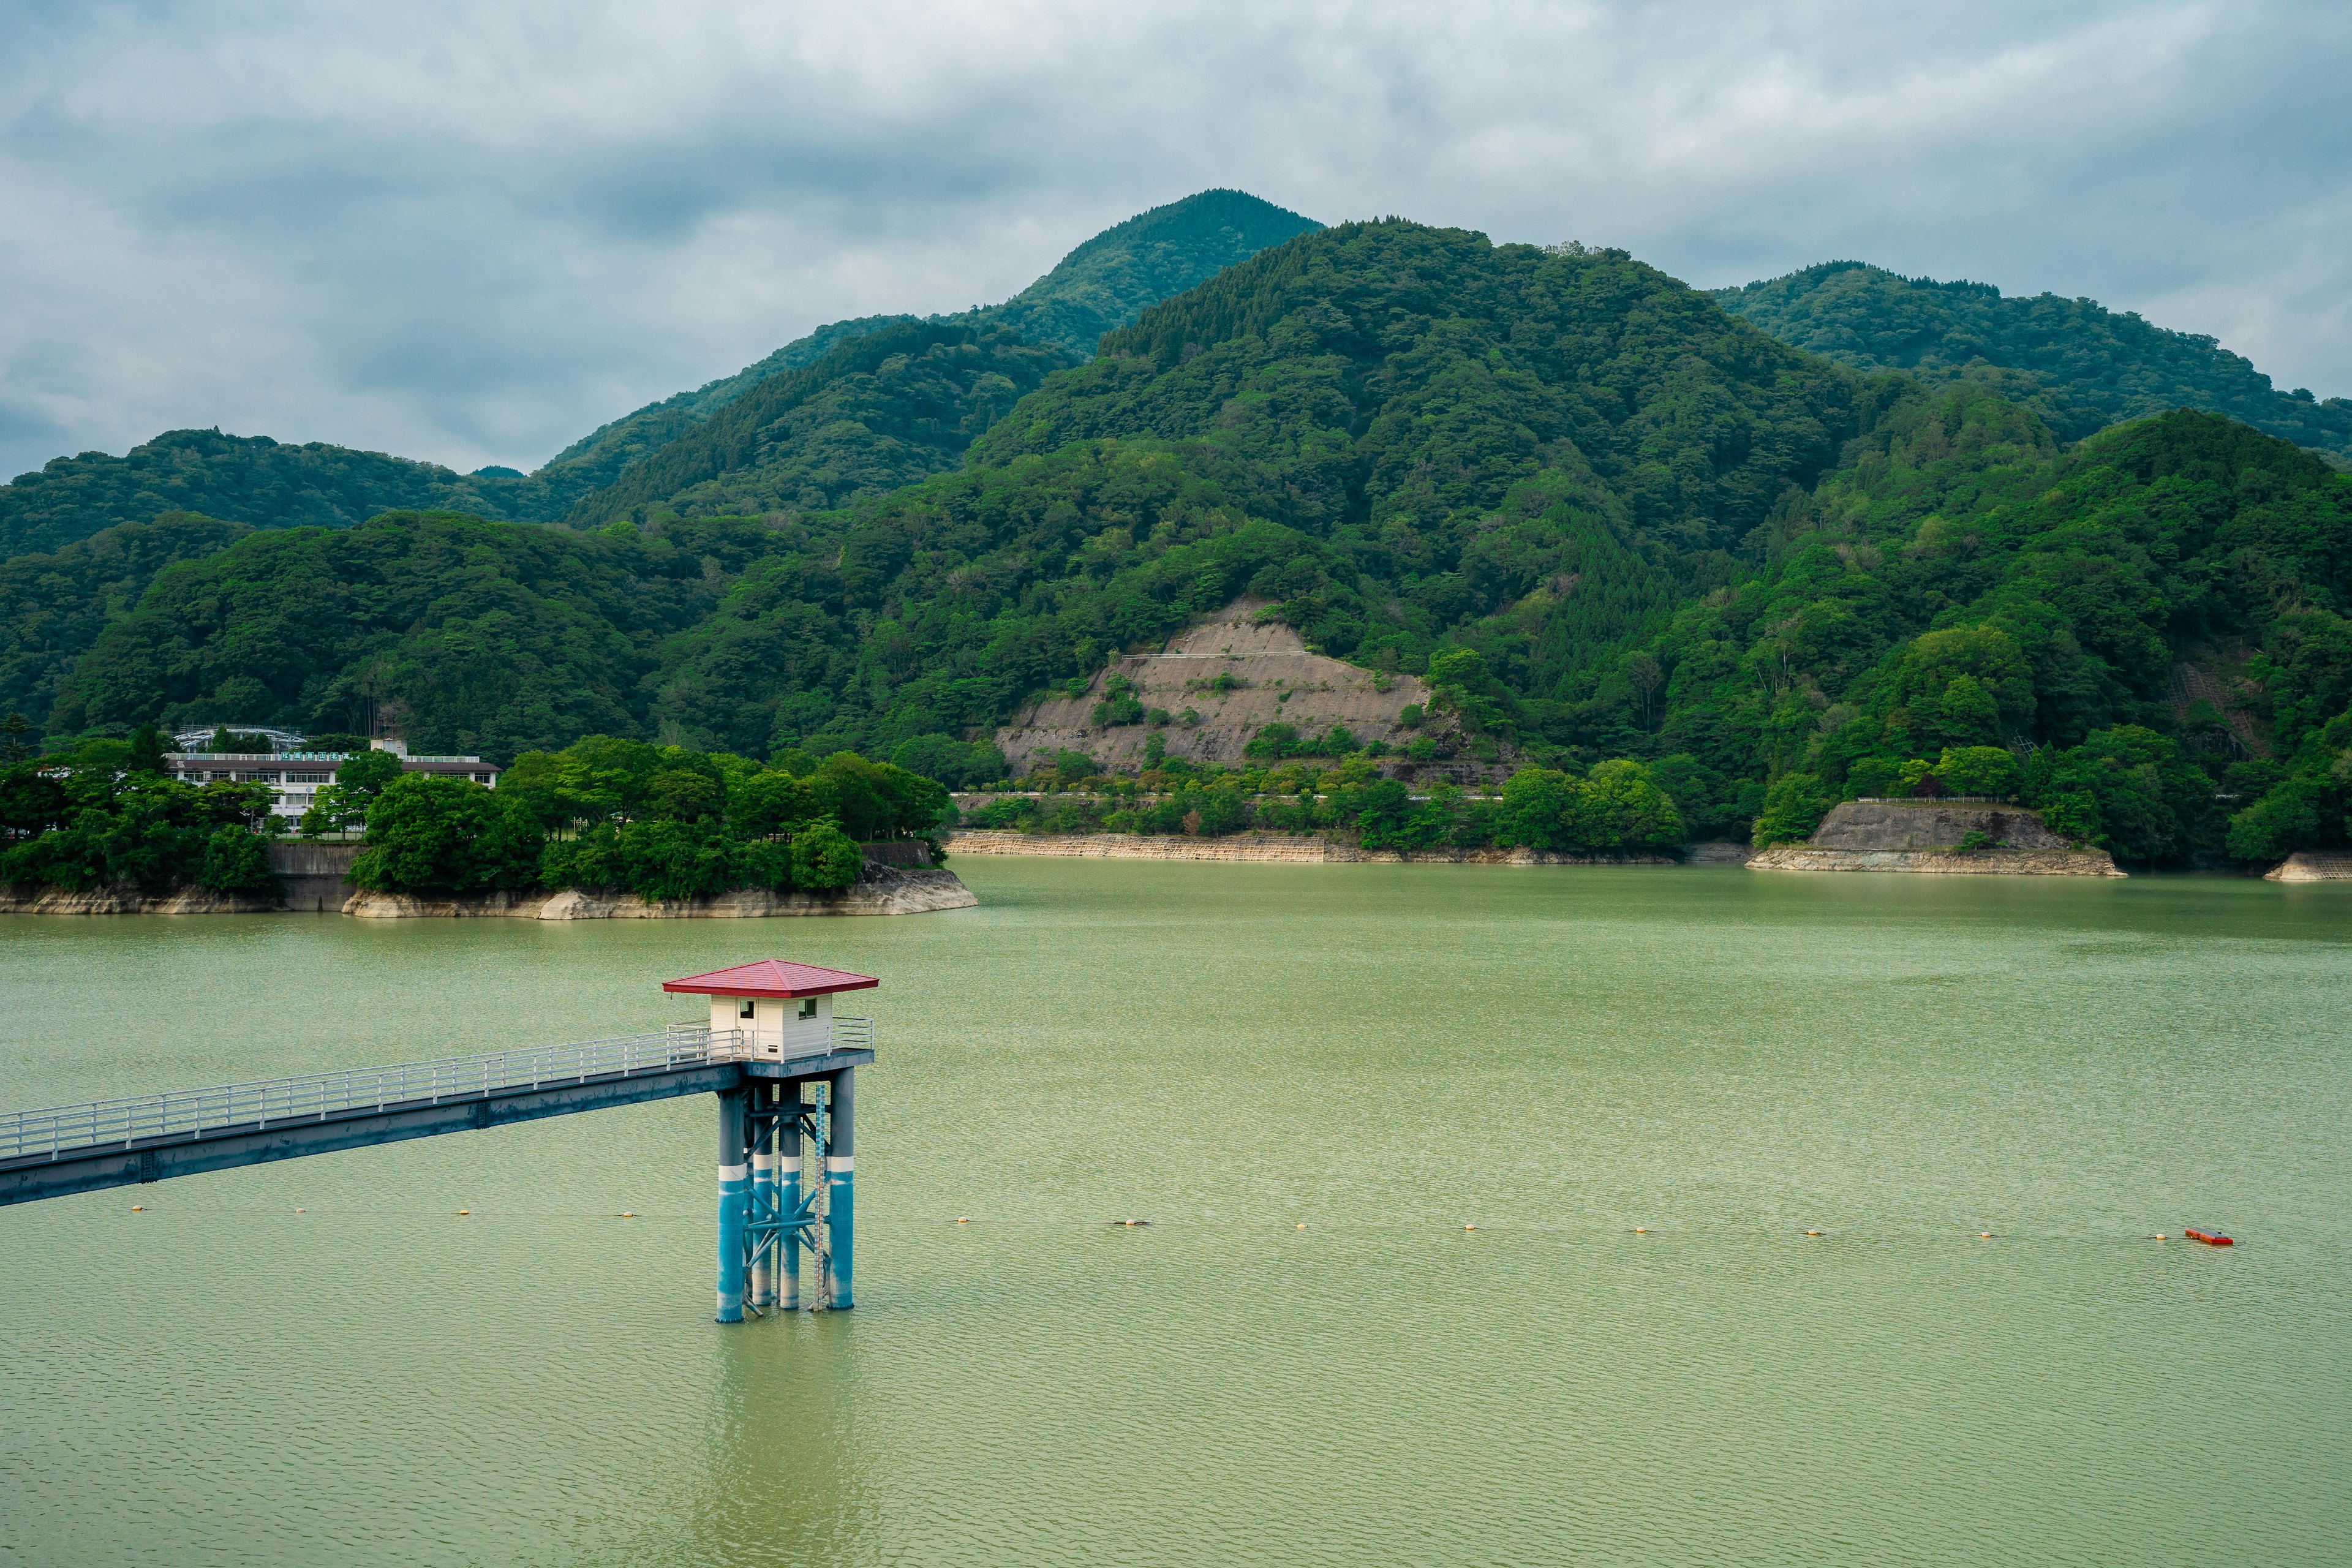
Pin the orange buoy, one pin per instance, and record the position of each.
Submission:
(136, 1209)
(1812, 1233)
(465, 1211)
(1640, 1230)
(2211, 1238)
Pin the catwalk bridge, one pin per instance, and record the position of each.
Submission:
(781, 1063)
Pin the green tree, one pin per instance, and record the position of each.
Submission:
(1979, 770)
(429, 833)
(1620, 807)
(824, 858)
(360, 779)
(1793, 806)
(147, 750)
(237, 862)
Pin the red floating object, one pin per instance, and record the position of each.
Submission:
(2209, 1238)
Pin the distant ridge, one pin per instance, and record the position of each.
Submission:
(266, 483)
(2079, 365)
(881, 418)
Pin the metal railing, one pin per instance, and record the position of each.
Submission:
(194, 1113)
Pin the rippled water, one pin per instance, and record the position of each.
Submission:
(1383, 1055)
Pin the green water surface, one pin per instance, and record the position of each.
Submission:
(1383, 1055)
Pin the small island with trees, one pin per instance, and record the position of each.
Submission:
(603, 828)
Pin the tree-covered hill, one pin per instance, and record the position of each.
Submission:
(243, 478)
(484, 637)
(876, 412)
(53, 606)
(886, 425)
(2080, 366)
(872, 410)
(1960, 583)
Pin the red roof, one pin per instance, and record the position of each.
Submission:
(772, 977)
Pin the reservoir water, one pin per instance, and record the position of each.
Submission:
(1385, 1055)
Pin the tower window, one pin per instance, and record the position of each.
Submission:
(743, 1005)
(808, 1007)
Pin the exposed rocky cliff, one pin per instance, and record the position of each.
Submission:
(2313, 866)
(1927, 836)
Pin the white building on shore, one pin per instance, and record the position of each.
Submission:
(296, 778)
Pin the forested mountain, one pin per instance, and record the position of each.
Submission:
(885, 425)
(2080, 366)
(487, 637)
(248, 479)
(1395, 429)
(877, 412)
(597, 458)
(53, 606)
(1602, 517)
(871, 413)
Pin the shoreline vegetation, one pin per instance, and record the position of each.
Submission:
(605, 828)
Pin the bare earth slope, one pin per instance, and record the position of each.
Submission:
(1275, 680)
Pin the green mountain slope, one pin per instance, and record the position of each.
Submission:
(53, 606)
(2080, 366)
(597, 458)
(486, 637)
(877, 412)
(867, 419)
(1600, 516)
(248, 478)
(1431, 429)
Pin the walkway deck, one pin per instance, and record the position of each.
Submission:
(113, 1143)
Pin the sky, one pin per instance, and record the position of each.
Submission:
(474, 234)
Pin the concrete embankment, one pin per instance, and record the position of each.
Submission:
(1296, 848)
(1925, 837)
(2313, 866)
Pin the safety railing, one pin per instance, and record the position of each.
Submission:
(316, 1096)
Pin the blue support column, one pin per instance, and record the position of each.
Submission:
(788, 1206)
(764, 1237)
(840, 1194)
(734, 1201)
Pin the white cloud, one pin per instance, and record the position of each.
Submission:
(473, 234)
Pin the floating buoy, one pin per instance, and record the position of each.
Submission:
(136, 1209)
(1640, 1230)
(302, 1211)
(1812, 1233)
(1302, 1227)
(1469, 1227)
(2211, 1238)
(1131, 1224)
(628, 1214)
(963, 1219)
(2159, 1236)
(1984, 1235)
(465, 1211)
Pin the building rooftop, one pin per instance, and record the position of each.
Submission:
(771, 977)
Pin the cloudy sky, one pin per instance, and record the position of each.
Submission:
(472, 234)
